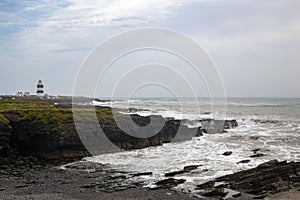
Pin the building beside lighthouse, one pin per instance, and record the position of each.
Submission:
(40, 89)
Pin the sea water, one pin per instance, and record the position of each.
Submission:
(269, 124)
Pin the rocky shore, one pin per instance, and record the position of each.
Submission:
(85, 180)
(38, 137)
(265, 180)
(46, 130)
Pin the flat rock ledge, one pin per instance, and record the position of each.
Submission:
(266, 179)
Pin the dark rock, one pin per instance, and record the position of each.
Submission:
(190, 167)
(237, 195)
(55, 139)
(219, 192)
(5, 136)
(199, 132)
(136, 110)
(3, 162)
(168, 183)
(32, 182)
(255, 150)
(206, 185)
(260, 197)
(217, 126)
(227, 153)
(203, 130)
(254, 137)
(230, 124)
(263, 121)
(91, 185)
(4, 139)
(174, 173)
(117, 177)
(243, 161)
(142, 174)
(212, 126)
(268, 178)
(257, 155)
(185, 170)
(268, 164)
(22, 186)
(4, 148)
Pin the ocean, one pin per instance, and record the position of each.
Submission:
(268, 124)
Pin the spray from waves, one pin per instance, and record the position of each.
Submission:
(272, 126)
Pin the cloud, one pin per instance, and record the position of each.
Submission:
(47, 25)
(262, 61)
(76, 13)
(240, 35)
(111, 12)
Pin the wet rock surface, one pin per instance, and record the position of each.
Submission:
(186, 169)
(79, 180)
(243, 161)
(168, 183)
(35, 139)
(98, 181)
(227, 153)
(257, 155)
(266, 179)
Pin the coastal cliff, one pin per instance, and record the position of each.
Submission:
(5, 135)
(44, 130)
(35, 132)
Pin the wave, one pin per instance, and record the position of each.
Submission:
(256, 105)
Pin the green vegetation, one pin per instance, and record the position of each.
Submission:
(20, 105)
(3, 120)
(46, 113)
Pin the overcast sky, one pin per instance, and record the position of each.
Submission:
(255, 44)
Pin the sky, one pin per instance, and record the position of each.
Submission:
(255, 44)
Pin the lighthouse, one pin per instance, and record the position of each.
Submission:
(40, 89)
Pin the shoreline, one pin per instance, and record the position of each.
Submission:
(45, 129)
(37, 136)
(98, 181)
(54, 183)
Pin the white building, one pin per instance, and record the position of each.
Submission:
(19, 94)
(22, 94)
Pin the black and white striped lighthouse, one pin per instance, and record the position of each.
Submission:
(40, 89)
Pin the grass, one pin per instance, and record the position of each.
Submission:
(20, 105)
(3, 120)
(43, 112)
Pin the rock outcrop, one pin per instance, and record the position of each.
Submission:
(186, 169)
(211, 126)
(40, 129)
(268, 178)
(5, 136)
